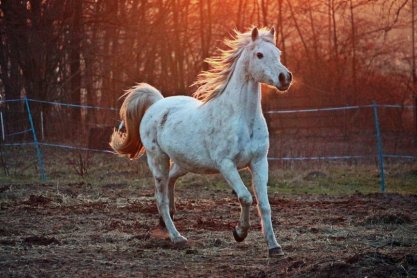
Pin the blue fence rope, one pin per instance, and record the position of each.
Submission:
(324, 109)
(341, 108)
(10, 100)
(57, 103)
(344, 157)
(75, 148)
(321, 157)
(406, 156)
(73, 105)
(17, 144)
(57, 146)
(396, 106)
(19, 132)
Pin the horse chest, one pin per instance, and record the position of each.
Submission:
(249, 148)
(243, 143)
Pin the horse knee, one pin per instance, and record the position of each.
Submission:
(264, 209)
(246, 199)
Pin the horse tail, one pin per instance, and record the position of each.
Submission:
(137, 100)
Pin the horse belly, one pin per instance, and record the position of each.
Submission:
(243, 158)
(192, 161)
(181, 141)
(243, 162)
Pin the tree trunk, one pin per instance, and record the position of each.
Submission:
(205, 33)
(74, 58)
(264, 7)
(353, 30)
(281, 32)
(297, 27)
(413, 62)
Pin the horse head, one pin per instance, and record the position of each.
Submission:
(264, 64)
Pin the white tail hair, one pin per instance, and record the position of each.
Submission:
(137, 100)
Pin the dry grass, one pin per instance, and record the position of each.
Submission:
(332, 178)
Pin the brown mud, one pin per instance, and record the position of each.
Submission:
(81, 230)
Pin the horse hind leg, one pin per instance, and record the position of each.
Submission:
(174, 173)
(159, 164)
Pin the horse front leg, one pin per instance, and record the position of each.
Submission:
(259, 170)
(230, 173)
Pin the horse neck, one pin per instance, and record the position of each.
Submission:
(242, 94)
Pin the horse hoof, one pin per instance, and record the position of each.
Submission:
(180, 242)
(237, 237)
(276, 252)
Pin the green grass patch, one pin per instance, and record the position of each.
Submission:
(20, 165)
(342, 180)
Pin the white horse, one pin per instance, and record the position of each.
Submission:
(220, 130)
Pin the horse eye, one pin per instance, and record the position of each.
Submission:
(259, 55)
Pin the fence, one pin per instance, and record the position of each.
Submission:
(351, 133)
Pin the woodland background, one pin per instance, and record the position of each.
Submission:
(341, 52)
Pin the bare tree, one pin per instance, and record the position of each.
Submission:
(91, 50)
(74, 8)
(205, 29)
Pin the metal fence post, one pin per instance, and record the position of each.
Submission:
(42, 128)
(41, 163)
(380, 152)
(3, 135)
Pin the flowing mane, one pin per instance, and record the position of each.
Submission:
(212, 82)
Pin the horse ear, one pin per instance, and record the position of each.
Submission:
(272, 31)
(255, 34)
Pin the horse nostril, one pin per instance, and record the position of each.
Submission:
(290, 76)
(281, 78)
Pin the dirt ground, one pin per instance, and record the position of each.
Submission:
(82, 230)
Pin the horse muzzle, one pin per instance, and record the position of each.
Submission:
(285, 80)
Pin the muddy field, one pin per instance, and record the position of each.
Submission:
(82, 230)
